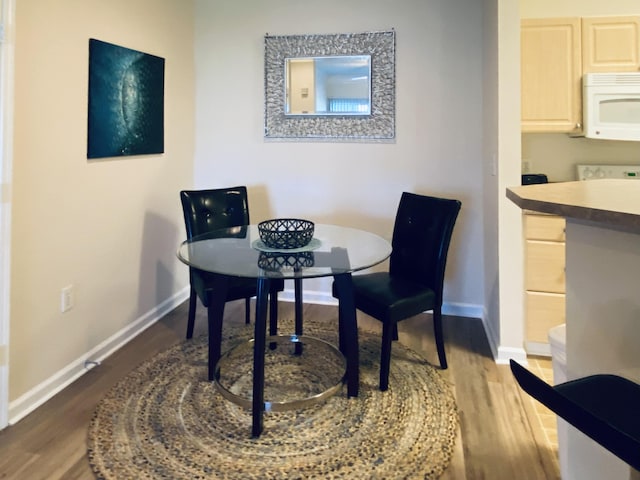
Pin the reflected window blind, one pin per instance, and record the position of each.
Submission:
(348, 105)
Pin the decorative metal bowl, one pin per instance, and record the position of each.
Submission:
(286, 233)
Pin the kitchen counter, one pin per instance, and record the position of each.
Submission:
(609, 202)
(602, 296)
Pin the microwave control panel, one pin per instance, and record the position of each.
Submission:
(594, 172)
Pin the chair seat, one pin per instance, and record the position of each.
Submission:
(238, 287)
(384, 296)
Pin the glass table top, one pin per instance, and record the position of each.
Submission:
(239, 252)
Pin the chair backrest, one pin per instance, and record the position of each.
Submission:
(207, 210)
(421, 238)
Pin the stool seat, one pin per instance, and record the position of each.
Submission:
(604, 407)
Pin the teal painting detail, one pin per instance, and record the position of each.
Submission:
(126, 101)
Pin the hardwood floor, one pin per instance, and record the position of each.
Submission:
(500, 435)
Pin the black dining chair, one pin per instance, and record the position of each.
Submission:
(414, 282)
(604, 407)
(209, 210)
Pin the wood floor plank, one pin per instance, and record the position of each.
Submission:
(497, 439)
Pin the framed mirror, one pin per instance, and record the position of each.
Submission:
(332, 85)
(339, 87)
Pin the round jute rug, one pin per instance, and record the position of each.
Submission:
(164, 420)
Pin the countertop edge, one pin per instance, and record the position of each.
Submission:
(612, 219)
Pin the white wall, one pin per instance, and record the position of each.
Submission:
(510, 335)
(111, 227)
(108, 227)
(502, 220)
(491, 198)
(438, 148)
(556, 154)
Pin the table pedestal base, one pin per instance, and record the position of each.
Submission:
(299, 372)
(348, 331)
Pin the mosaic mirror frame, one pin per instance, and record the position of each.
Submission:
(378, 126)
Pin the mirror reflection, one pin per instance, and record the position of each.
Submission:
(331, 85)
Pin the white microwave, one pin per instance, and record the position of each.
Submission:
(611, 106)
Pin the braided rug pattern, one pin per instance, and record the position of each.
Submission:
(164, 420)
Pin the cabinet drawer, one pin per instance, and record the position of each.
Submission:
(544, 267)
(543, 312)
(544, 227)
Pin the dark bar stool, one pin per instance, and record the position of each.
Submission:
(606, 408)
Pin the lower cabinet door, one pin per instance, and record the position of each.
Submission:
(545, 263)
(543, 311)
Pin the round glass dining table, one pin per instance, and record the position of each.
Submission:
(239, 252)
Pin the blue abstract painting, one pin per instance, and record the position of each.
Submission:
(126, 101)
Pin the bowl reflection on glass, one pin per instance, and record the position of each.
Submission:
(276, 262)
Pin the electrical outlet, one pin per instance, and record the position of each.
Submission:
(66, 299)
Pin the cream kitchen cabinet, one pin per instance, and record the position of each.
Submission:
(611, 44)
(556, 52)
(551, 74)
(544, 279)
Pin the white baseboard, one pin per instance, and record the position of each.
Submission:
(463, 310)
(4, 394)
(324, 298)
(38, 395)
(501, 354)
(538, 348)
(308, 296)
(507, 353)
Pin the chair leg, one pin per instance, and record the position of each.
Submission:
(437, 329)
(385, 353)
(247, 310)
(215, 316)
(348, 330)
(191, 318)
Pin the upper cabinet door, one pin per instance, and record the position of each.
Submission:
(611, 44)
(551, 73)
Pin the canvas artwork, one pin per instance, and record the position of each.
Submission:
(126, 101)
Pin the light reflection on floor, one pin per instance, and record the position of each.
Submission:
(541, 366)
